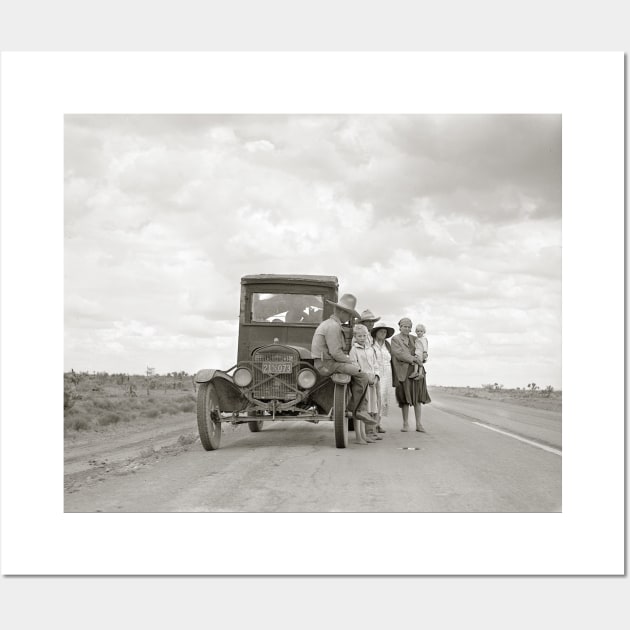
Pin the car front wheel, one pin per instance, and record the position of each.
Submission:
(208, 417)
(339, 416)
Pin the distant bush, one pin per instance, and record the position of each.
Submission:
(70, 394)
(103, 401)
(136, 403)
(492, 386)
(68, 399)
(109, 418)
(103, 404)
(76, 424)
(167, 408)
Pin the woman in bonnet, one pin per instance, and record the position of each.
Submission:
(409, 392)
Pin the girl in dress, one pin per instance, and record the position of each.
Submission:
(363, 355)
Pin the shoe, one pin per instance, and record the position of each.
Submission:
(369, 421)
(404, 429)
(420, 429)
(377, 437)
(381, 430)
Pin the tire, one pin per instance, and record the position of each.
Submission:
(256, 425)
(339, 416)
(208, 417)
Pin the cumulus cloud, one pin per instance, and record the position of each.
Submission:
(452, 220)
(259, 145)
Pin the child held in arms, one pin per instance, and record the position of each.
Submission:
(422, 349)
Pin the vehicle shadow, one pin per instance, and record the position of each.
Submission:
(285, 434)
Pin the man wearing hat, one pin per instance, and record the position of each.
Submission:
(368, 319)
(328, 347)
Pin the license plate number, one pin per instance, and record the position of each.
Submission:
(276, 368)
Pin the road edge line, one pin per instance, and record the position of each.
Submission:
(544, 447)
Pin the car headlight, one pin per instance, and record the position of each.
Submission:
(306, 378)
(242, 377)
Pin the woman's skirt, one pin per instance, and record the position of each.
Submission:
(413, 391)
(385, 384)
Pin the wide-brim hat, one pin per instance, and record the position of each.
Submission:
(381, 326)
(368, 316)
(348, 303)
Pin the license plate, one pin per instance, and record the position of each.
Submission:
(277, 368)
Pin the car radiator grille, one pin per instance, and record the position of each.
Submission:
(273, 385)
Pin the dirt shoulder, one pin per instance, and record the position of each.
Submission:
(91, 456)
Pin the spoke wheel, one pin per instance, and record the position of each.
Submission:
(339, 416)
(208, 417)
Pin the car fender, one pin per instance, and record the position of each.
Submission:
(205, 376)
(230, 396)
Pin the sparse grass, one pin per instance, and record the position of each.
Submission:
(103, 403)
(551, 401)
(75, 424)
(186, 439)
(96, 403)
(109, 418)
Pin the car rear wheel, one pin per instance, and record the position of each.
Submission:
(256, 425)
(339, 415)
(208, 417)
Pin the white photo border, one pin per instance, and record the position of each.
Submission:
(587, 538)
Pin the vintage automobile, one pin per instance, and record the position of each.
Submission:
(274, 378)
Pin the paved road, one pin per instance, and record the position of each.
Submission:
(539, 425)
(462, 464)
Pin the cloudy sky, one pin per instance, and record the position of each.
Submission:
(454, 221)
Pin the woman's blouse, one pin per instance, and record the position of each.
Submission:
(403, 351)
(383, 357)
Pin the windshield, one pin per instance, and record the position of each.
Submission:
(287, 308)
